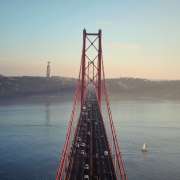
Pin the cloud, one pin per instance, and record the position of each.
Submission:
(118, 45)
(104, 23)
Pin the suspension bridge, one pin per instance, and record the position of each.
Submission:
(91, 150)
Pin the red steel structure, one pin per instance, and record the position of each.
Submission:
(91, 69)
(91, 74)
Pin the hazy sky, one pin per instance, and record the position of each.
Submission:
(141, 38)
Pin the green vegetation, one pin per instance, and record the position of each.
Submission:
(123, 88)
(28, 86)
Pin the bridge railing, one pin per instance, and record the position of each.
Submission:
(65, 158)
(113, 140)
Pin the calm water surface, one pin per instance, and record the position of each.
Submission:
(32, 136)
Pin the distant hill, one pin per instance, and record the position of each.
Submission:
(29, 85)
(123, 88)
(135, 88)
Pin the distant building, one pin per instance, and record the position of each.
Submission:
(48, 72)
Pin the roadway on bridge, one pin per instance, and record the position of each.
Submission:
(90, 157)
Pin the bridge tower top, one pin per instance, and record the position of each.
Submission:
(91, 64)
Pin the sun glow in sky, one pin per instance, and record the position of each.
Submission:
(141, 38)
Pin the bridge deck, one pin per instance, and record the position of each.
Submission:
(90, 157)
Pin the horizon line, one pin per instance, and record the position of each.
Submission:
(71, 77)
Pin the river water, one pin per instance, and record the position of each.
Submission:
(32, 136)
